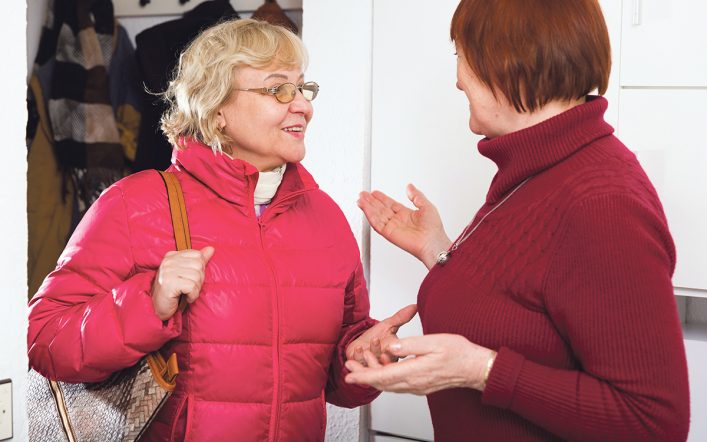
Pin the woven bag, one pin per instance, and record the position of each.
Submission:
(121, 407)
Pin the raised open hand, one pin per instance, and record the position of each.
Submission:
(419, 232)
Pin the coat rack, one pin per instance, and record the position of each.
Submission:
(145, 2)
(133, 8)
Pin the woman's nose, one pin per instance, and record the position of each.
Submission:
(300, 104)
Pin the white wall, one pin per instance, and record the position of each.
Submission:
(36, 14)
(338, 37)
(13, 223)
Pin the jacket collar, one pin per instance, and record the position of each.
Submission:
(234, 180)
(527, 152)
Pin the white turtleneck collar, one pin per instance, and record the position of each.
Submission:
(268, 183)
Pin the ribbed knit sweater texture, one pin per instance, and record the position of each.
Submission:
(570, 281)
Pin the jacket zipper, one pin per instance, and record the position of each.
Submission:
(277, 391)
(275, 419)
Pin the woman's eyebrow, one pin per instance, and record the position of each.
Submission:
(276, 75)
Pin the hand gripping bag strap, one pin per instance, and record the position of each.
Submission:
(180, 222)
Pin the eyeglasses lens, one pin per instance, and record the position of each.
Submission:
(310, 90)
(285, 92)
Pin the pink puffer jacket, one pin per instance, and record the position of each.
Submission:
(261, 349)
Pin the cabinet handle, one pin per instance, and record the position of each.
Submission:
(636, 16)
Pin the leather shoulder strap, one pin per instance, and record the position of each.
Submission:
(178, 209)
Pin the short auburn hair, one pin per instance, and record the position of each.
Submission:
(534, 51)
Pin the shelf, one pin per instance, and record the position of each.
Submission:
(132, 8)
(691, 293)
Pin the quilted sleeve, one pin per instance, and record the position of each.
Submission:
(93, 314)
(356, 321)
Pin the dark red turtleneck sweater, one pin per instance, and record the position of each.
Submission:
(570, 281)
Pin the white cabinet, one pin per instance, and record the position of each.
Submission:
(664, 43)
(612, 16)
(665, 128)
(404, 415)
(696, 348)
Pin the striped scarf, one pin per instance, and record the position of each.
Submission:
(75, 51)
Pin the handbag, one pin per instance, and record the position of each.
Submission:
(121, 407)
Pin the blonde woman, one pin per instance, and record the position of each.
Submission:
(274, 282)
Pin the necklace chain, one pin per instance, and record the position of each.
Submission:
(443, 257)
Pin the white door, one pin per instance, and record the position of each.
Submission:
(664, 43)
(419, 134)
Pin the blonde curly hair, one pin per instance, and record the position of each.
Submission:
(203, 78)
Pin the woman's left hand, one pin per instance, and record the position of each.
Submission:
(441, 361)
(377, 338)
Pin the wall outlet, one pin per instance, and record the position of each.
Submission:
(5, 409)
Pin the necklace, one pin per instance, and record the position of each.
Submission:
(443, 256)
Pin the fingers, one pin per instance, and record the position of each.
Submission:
(206, 253)
(416, 196)
(371, 359)
(376, 212)
(182, 272)
(417, 345)
(376, 347)
(393, 377)
(402, 316)
(387, 358)
(379, 200)
(190, 288)
(358, 356)
(383, 199)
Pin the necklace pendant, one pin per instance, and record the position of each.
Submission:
(442, 258)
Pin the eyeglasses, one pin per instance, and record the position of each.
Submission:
(285, 92)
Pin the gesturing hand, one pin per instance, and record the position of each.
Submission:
(180, 273)
(441, 361)
(379, 336)
(419, 232)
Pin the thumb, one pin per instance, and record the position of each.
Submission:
(416, 345)
(403, 316)
(207, 252)
(416, 196)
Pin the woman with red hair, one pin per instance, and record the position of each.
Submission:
(552, 315)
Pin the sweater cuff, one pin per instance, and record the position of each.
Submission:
(502, 379)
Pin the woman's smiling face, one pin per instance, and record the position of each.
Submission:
(265, 132)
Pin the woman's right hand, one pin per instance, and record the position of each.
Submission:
(180, 273)
(419, 232)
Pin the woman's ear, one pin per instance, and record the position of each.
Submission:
(220, 120)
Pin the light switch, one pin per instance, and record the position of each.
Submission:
(5, 409)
